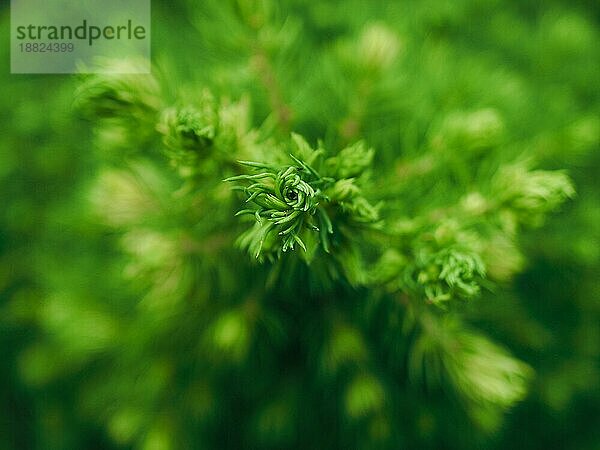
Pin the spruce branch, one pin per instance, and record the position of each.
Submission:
(284, 202)
(366, 311)
(127, 101)
(109, 94)
(189, 134)
(294, 204)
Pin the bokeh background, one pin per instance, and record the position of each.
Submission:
(63, 304)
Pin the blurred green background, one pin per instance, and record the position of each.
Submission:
(64, 305)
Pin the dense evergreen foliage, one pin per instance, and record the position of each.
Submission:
(337, 224)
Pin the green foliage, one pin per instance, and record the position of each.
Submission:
(313, 226)
(449, 273)
(298, 202)
(189, 133)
